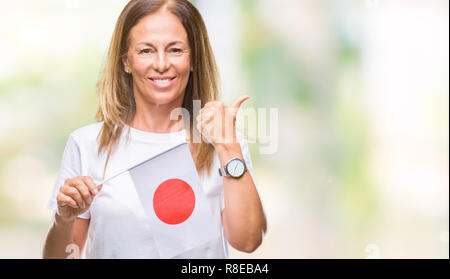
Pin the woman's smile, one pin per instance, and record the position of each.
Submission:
(162, 82)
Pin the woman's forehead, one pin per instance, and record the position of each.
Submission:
(159, 28)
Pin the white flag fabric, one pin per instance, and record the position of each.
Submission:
(173, 199)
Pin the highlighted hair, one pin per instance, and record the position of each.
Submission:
(117, 106)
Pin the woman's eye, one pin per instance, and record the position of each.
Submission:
(145, 51)
(175, 50)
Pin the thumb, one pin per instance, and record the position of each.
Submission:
(238, 102)
(98, 188)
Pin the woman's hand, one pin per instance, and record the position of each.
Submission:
(76, 196)
(217, 122)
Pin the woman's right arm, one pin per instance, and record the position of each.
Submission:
(62, 234)
(74, 198)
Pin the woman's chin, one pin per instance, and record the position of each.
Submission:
(162, 98)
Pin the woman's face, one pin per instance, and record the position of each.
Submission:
(159, 59)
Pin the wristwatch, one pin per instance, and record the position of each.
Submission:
(235, 168)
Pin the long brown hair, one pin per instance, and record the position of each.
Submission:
(117, 106)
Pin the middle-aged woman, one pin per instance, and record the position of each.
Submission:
(159, 60)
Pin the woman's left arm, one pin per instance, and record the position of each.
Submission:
(243, 217)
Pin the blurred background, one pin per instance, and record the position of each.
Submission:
(361, 168)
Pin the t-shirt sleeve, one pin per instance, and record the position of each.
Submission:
(248, 162)
(70, 167)
(247, 157)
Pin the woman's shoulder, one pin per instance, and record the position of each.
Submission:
(88, 133)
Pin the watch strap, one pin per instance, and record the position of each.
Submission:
(223, 172)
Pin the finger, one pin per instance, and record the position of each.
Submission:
(212, 104)
(204, 131)
(83, 189)
(238, 102)
(203, 113)
(206, 120)
(201, 127)
(199, 115)
(74, 194)
(82, 186)
(198, 118)
(90, 184)
(205, 125)
(208, 115)
(64, 200)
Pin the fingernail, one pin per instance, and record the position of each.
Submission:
(95, 191)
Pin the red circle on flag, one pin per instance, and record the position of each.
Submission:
(173, 201)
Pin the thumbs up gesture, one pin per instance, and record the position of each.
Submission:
(217, 122)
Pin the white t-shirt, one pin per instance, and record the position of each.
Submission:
(118, 226)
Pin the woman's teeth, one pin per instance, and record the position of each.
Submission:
(162, 81)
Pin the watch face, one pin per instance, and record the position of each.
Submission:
(235, 168)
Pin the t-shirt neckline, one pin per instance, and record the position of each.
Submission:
(156, 137)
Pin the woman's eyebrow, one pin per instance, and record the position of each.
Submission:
(170, 44)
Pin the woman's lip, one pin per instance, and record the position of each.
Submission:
(162, 86)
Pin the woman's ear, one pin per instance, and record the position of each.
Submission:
(126, 65)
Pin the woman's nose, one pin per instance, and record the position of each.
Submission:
(161, 62)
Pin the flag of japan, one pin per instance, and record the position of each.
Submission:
(171, 194)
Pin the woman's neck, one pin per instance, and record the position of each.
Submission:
(156, 119)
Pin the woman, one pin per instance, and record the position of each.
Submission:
(159, 60)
